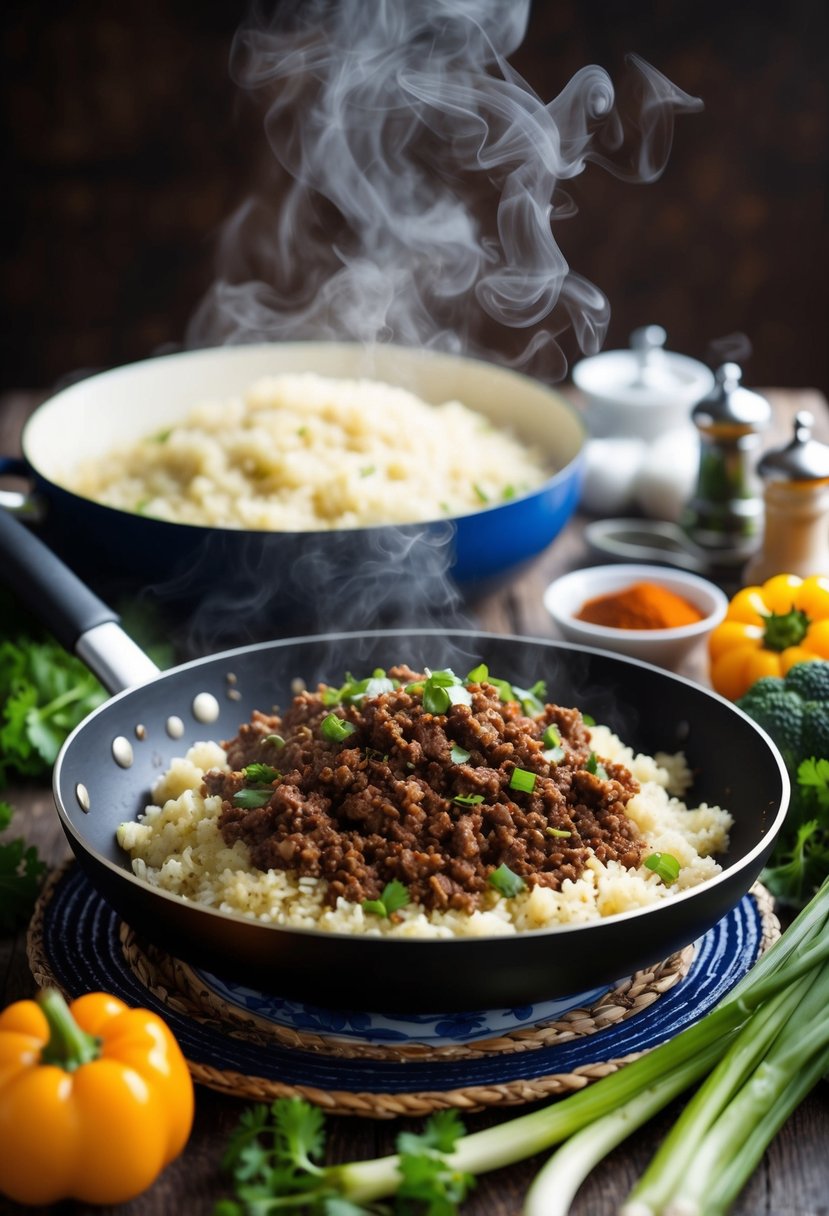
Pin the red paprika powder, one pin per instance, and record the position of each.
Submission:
(640, 606)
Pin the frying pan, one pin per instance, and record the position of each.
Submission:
(278, 572)
(106, 768)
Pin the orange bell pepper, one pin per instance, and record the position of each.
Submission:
(767, 630)
(95, 1099)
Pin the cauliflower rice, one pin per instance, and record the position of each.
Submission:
(302, 452)
(176, 845)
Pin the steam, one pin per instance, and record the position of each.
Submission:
(411, 197)
(417, 178)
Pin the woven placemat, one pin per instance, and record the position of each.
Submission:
(185, 989)
(77, 943)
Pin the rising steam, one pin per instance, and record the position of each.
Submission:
(417, 179)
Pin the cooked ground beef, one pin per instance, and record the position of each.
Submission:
(389, 802)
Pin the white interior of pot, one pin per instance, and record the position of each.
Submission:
(119, 406)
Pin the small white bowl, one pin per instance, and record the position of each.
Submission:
(665, 647)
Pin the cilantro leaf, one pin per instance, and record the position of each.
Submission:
(428, 1179)
(44, 693)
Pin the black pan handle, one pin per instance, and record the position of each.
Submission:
(79, 620)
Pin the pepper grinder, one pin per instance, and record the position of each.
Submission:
(725, 514)
(796, 493)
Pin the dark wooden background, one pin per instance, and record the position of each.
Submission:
(125, 145)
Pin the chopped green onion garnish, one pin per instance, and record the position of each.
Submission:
(481, 493)
(250, 799)
(665, 865)
(557, 832)
(478, 674)
(592, 765)
(163, 436)
(261, 774)
(523, 780)
(587, 720)
(459, 755)
(368, 470)
(530, 698)
(274, 740)
(435, 699)
(507, 493)
(442, 689)
(353, 690)
(335, 729)
(505, 692)
(553, 755)
(395, 896)
(468, 799)
(506, 882)
(551, 737)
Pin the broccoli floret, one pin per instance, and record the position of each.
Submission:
(780, 713)
(809, 680)
(814, 736)
(794, 710)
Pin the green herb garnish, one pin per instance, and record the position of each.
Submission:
(665, 865)
(250, 799)
(468, 799)
(522, 779)
(458, 754)
(551, 736)
(506, 882)
(274, 741)
(592, 765)
(335, 730)
(478, 674)
(587, 720)
(395, 896)
(353, 691)
(530, 698)
(562, 832)
(480, 492)
(440, 690)
(261, 774)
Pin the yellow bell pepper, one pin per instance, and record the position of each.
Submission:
(767, 630)
(95, 1099)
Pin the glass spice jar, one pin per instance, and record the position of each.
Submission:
(724, 516)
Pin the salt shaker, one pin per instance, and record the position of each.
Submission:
(725, 513)
(796, 493)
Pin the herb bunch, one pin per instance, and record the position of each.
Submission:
(275, 1156)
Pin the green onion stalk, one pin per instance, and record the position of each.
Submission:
(612, 1107)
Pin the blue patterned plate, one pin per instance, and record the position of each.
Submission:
(80, 941)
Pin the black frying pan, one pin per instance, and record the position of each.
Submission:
(105, 770)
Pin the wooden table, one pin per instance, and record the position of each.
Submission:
(793, 1179)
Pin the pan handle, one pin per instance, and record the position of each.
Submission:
(66, 606)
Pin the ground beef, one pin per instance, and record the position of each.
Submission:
(389, 802)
